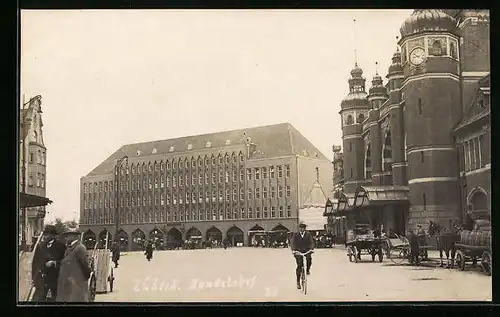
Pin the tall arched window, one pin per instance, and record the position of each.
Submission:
(368, 162)
(387, 152)
(405, 148)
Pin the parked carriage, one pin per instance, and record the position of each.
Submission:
(363, 241)
(474, 246)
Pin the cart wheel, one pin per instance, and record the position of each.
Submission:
(380, 255)
(355, 252)
(373, 253)
(92, 287)
(398, 255)
(486, 262)
(460, 260)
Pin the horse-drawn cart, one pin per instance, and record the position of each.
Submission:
(474, 246)
(363, 241)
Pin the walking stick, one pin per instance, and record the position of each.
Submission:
(32, 285)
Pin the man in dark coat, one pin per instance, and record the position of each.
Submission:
(115, 250)
(149, 251)
(414, 248)
(74, 274)
(302, 242)
(46, 263)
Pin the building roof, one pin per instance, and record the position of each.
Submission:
(316, 197)
(475, 112)
(270, 141)
(311, 211)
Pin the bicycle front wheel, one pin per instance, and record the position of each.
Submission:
(304, 281)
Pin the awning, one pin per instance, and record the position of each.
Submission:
(380, 195)
(27, 200)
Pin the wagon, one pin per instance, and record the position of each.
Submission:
(103, 273)
(362, 241)
(397, 249)
(474, 246)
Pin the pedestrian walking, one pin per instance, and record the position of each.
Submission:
(74, 274)
(149, 251)
(115, 250)
(414, 248)
(46, 264)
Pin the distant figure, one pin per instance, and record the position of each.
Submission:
(414, 248)
(46, 264)
(149, 251)
(422, 240)
(74, 274)
(115, 250)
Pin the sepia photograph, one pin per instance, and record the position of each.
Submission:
(254, 156)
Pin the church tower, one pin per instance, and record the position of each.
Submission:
(395, 134)
(373, 148)
(432, 108)
(354, 109)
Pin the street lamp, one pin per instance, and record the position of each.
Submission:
(118, 167)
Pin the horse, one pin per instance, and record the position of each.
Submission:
(446, 240)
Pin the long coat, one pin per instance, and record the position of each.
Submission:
(73, 285)
(116, 253)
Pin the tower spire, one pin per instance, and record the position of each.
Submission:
(376, 68)
(397, 46)
(355, 51)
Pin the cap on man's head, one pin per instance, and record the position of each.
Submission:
(50, 229)
(302, 224)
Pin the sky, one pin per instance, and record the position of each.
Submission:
(113, 77)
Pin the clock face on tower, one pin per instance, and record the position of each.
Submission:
(417, 56)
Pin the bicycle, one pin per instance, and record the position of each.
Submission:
(303, 277)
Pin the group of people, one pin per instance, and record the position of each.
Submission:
(60, 269)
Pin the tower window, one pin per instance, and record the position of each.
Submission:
(349, 119)
(419, 106)
(421, 156)
(351, 173)
(361, 118)
(350, 146)
(436, 48)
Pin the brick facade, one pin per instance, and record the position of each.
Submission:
(408, 136)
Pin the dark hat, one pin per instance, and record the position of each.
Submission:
(302, 224)
(50, 229)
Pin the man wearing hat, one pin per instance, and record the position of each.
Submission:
(302, 242)
(47, 259)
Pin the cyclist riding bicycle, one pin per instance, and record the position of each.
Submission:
(302, 242)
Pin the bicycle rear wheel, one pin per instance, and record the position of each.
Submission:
(304, 281)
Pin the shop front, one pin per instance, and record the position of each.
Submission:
(381, 208)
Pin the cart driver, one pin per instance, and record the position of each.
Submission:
(302, 241)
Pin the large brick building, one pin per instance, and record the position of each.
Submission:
(33, 159)
(212, 185)
(418, 147)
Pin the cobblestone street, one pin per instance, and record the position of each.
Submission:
(260, 275)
